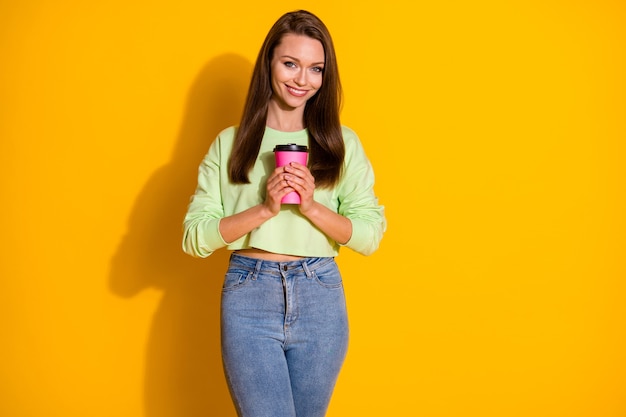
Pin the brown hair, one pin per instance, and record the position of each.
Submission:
(321, 112)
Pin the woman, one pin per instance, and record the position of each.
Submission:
(284, 324)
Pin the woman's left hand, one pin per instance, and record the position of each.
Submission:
(300, 179)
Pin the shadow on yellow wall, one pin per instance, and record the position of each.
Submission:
(183, 371)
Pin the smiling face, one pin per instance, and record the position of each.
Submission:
(296, 69)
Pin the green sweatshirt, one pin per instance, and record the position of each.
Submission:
(289, 232)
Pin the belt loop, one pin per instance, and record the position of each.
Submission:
(257, 268)
(307, 271)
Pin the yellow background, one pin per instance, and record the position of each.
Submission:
(496, 129)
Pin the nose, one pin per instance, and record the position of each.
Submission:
(300, 77)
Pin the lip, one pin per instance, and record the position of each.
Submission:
(296, 92)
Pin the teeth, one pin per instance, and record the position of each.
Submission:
(296, 91)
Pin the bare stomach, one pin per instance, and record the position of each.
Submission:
(267, 256)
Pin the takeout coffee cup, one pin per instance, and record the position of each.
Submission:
(284, 154)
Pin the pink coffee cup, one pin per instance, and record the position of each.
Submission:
(285, 154)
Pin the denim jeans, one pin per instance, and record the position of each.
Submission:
(284, 335)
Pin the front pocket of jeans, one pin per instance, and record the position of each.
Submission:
(235, 280)
(328, 276)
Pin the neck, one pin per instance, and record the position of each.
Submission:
(285, 120)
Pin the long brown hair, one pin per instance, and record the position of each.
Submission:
(321, 112)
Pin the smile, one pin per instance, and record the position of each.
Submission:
(296, 92)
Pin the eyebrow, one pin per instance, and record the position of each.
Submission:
(296, 59)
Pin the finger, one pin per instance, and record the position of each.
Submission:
(295, 181)
(295, 167)
(302, 188)
(280, 185)
(276, 178)
(301, 172)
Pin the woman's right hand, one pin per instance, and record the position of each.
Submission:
(276, 188)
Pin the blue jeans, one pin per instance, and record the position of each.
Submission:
(284, 335)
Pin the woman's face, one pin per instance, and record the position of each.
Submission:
(297, 67)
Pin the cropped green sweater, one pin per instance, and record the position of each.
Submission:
(289, 232)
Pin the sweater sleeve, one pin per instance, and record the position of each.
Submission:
(201, 236)
(357, 200)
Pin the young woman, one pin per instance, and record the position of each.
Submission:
(284, 323)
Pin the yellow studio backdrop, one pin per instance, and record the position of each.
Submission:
(496, 129)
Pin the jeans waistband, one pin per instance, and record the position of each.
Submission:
(261, 265)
